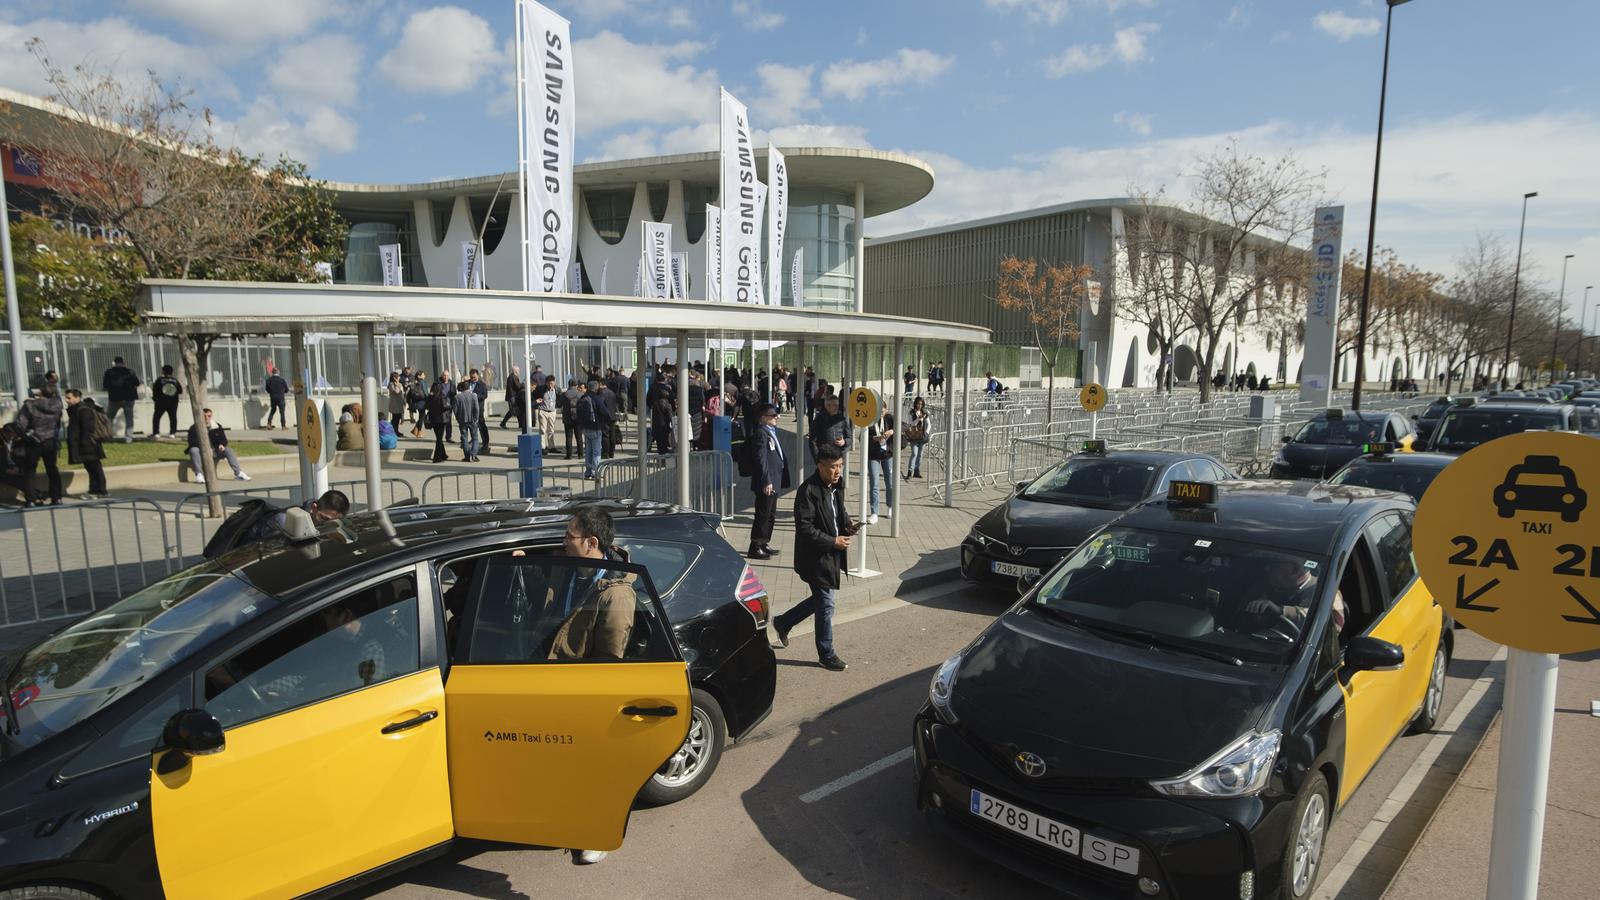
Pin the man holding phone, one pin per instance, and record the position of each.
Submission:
(822, 533)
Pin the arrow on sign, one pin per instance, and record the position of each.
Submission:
(1594, 614)
(1464, 599)
(488, 735)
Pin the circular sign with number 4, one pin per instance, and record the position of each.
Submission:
(1508, 539)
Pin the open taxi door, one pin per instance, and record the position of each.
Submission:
(567, 693)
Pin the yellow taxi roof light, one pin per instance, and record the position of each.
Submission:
(1192, 493)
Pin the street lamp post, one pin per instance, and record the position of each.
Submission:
(1372, 216)
(1561, 305)
(1516, 280)
(1583, 323)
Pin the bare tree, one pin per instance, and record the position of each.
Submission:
(1146, 287)
(1245, 214)
(1050, 296)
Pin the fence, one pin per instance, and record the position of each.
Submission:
(62, 561)
(192, 528)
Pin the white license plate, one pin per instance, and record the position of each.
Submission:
(1051, 833)
(1015, 571)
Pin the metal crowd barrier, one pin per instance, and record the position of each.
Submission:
(88, 547)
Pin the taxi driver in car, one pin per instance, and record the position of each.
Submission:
(1287, 592)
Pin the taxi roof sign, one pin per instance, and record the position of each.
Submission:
(1380, 449)
(1093, 447)
(1192, 493)
(1334, 413)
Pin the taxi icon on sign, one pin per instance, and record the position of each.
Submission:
(1540, 484)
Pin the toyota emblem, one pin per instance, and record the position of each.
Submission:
(1029, 764)
(1017, 550)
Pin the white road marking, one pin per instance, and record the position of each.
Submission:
(861, 774)
(1340, 874)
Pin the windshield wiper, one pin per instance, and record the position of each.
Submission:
(12, 726)
(1140, 635)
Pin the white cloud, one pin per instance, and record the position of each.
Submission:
(324, 69)
(679, 17)
(1128, 46)
(442, 50)
(812, 135)
(648, 141)
(621, 82)
(1343, 27)
(854, 79)
(1138, 123)
(112, 46)
(785, 91)
(1051, 12)
(241, 21)
(755, 17)
(267, 129)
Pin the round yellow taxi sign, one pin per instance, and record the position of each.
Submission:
(864, 407)
(1508, 539)
(1092, 397)
(311, 431)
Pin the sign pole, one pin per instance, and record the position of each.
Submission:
(1094, 425)
(1524, 774)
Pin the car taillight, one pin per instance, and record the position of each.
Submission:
(753, 594)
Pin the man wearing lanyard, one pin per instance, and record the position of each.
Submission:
(769, 476)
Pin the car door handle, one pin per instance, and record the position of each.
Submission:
(393, 727)
(661, 711)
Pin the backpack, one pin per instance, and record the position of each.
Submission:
(102, 426)
(240, 528)
(387, 439)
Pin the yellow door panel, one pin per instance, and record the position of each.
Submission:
(1379, 705)
(309, 797)
(543, 754)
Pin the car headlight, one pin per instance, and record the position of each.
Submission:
(942, 689)
(1240, 770)
(983, 540)
(1278, 459)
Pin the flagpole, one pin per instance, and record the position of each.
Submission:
(522, 152)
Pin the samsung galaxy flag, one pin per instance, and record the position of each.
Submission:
(657, 250)
(680, 274)
(714, 256)
(545, 118)
(777, 218)
(605, 270)
(389, 259)
(1322, 305)
(471, 266)
(797, 277)
(741, 226)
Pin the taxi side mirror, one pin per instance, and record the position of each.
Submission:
(1286, 439)
(1021, 485)
(1370, 654)
(1026, 582)
(193, 732)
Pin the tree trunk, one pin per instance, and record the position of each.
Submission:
(194, 353)
(1050, 394)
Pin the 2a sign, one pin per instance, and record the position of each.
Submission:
(1504, 537)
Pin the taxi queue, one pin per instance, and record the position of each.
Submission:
(1176, 706)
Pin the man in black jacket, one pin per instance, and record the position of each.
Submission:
(122, 392)
(769, 476)
(277, 388)
(821, 537)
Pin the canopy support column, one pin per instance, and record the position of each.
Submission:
(641, 412)
(896, 459)
(949, 430)
(367, 339)
(685, 438)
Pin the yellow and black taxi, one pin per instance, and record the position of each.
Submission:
(1380, 466)
(1179, 708)
(1334, 437)
(1051, 514)
(301, 714)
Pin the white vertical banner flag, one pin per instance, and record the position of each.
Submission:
(605, 270)
(638, 276)
(797, 277)
(741, 237)
(777, 220)
(389, 258)
(680, 272)
(714, 252)
(545, 137)
(575, 278)
(757, 283)
(657, 251)
(471, 266)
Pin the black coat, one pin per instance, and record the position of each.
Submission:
(81, 444)
(828, 428)
(883, 449)
(767, 462)
(819, 516)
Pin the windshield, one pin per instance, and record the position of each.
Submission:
(1435, 409)
(1340, 432)
(1412, 480)
(74, 674)
(1094, 481)
(1465, 429)
(1215, 595)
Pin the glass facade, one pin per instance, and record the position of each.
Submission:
(608, 210)
(368, 231)
(824, 223)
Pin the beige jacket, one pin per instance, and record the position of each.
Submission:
(603, 622)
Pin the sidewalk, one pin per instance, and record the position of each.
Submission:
(1451, 859)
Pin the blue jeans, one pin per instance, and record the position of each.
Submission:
(469, 439)
(126, 408)
(591, 451)
(878, 469)
(820, 604)
(914, 464)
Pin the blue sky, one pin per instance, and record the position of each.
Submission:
(1015, 103)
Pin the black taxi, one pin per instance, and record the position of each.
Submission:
(1179, 708)
(302, 714)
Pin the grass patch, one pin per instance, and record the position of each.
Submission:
(141, 452)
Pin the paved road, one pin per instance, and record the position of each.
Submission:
(750, 830)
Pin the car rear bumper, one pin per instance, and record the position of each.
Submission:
(745, 683)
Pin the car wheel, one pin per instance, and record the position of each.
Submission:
(47, 892)
(1433, 700)
(1302, 858)
(690, 768)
